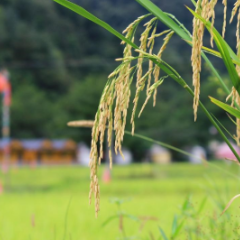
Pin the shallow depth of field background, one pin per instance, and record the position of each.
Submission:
(58, 64)
(51, 203)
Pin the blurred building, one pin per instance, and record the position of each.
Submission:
(198, 155)
(128, 158)
(160, 154)
(35, 151)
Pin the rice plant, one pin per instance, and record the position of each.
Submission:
(114, 103)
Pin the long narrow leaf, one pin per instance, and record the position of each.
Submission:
(174, 225)
(151, 7)
(81, 11)
(162, 233)
(227, 108)
(179, 227)
(202, 205)
(224, 128)
(108, 220)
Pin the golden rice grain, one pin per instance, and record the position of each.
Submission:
(81, 123)
(234, 10)
(224, 18)
(198, 30)
(156, 71)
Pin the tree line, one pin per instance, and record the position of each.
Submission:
(59, 63)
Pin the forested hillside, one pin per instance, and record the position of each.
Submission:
(59, 63)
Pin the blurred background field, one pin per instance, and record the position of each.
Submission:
(57, 64)
(55, 57)
(36, 205)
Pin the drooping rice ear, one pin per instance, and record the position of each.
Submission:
(156, 71)
(150, 45)
(140, 88)
(143, 47)
(196, 57)
(212, 15)
(149, 93)
(224, 17)
(234, 10)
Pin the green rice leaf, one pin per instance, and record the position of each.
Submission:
(132, 217)
(108, 220)
(164, 237)
(163, 17)
(81, 11)
(227, 108)
(202, 205)
(174, 225)
(186, 205)
(234, 122)
(222, 126)
(178, 229)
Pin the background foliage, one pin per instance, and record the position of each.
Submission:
(57, 74)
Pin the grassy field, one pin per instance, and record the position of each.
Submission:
(52, 202)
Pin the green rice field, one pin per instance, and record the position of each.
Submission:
(52, 202)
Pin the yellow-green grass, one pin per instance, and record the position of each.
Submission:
(36, 205)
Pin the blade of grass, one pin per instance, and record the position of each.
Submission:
(234, 122)
(174, 225)
(178, 229)
(221, 125)
(227, 108)
(108, 220)
(162, 233)
(180, 151)
(65, 220)
(159, 143)
(81, 11)
(202, 205)
(151, 7)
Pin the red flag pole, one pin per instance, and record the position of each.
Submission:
(5, 88)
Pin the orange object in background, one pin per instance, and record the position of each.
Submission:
(37, 151)
(3, 83)
(5, 87)
(106, 176)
